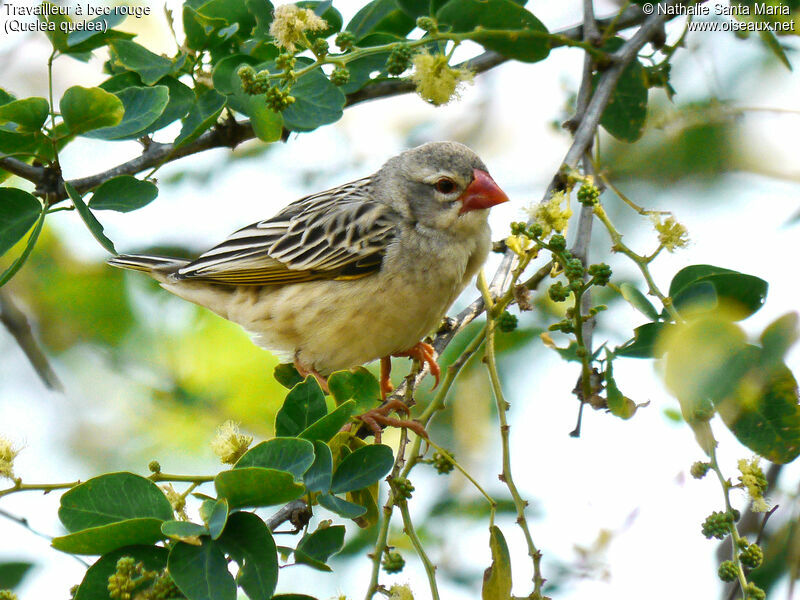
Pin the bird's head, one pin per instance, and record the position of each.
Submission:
(443, 185)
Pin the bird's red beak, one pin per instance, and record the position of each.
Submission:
(483, 192)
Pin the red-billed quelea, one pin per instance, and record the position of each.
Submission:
(355, 273)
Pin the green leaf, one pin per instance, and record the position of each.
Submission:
(706, 360)
(778, 337)
(281, 453)
(97, 27)
(645, 342)
(267, 124)
(95, 582)
(201, 572)
(256, 486)
(304, 405)
(225, 75)
(638, 300)
(204, 113)
(705, 287)
(343, 508)
(287, 375)
(362, 468)
(183, 531)
(19, 211)
(91, 222)
(619, 405)
(316, 548)
(292, 597)
(55, 30)
(231, 12)
(6, 97)
(249, 542)
(217, 518)
(181, 99)
(497, 579)
(329, 425)
(143, 105)
(420, 8)
(86, 109)
(626, 112)
(105, 538)
(30, 113)
(357, 384)
(29, 245)
(12, 573)
(763, 412)
(384, 16)
(516, 33)
(771, 41)
(150, 67)
(318, 477)
(111, 498)
(317, 102)
(123, 194)
(199, 29)
(262, 12)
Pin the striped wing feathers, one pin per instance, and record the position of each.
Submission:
(336, 234)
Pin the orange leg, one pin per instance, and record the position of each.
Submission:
(306, 371)
(377, 418)
(426, 355)
(386, 383)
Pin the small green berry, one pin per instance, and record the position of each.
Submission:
(574, 269)
(752, 556)
(154, 466)
(402, 487)
(443, 463)
(728, 571)
(277, 99)
(399, 60)
(536, 230)
(558, 242)
(320, 47)
(753, 592)
(507, 322)
(558, 292)
(699, 469)
(285, 62)
(601, 273)
(340, 76)
(717, 525)
(517, 228)
(588, 194)
(393, 562)
(427, 24)
(345, 40)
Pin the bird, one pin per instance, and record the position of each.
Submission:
(349, 275)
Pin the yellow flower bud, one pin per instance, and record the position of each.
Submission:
(671, 234)
(7, 455)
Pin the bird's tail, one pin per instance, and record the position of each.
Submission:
(158, 267)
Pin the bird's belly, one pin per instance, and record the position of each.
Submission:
(334, 325)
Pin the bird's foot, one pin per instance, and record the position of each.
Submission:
(306, 371)
(378, 418)
(426, 355)
(386, 383)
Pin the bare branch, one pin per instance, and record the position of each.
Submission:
(18, 326)
(21, 169)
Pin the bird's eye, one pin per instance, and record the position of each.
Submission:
(445, 186)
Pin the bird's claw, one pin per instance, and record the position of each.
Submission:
(305, 371)
(378, 418)
(426, 355)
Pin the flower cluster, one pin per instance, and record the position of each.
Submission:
(753, 480)
(8, 452)
(551, 216)
(671, 234)
(290, 23)
(436, 81)
(229, 444)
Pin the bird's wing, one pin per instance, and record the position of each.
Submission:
(336, 234)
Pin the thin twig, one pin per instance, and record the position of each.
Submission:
(19, 326)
